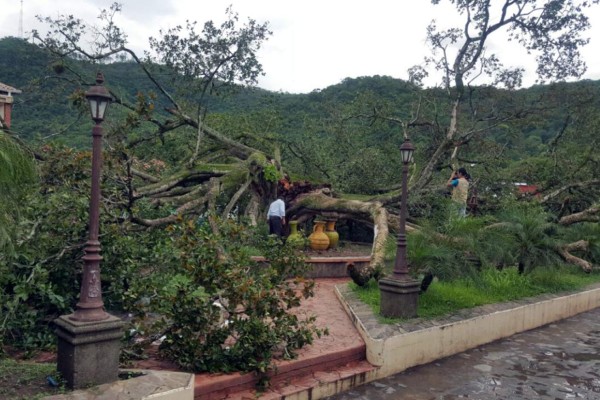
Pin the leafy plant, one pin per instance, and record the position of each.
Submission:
(533, 235)
(17, 175)
(271, 173)
(220, 311)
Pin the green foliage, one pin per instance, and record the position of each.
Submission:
(219, 310)
(534, 238)
(427, 255)
(17, 176)
(329, 135)
(521, 233)
(38, 280)
(452, 248)
(271, 174)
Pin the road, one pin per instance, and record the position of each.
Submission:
(557, 361)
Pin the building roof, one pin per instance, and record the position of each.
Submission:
(5, 89)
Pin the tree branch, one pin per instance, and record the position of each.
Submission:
(580, 245)
(557, 192)
(591, 214)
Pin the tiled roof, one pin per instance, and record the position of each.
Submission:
(8, 89)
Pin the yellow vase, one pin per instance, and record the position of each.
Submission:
(318, 239)
(331, 233)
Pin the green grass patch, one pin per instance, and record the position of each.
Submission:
(489, 287)
(26, 380)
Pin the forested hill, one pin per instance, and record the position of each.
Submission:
(46, 111)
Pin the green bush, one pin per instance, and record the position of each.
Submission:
(534, 238)
(217, 309)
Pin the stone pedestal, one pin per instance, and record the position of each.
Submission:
(88, 352)
(399, 299)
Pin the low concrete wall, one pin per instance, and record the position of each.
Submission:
(394, 353)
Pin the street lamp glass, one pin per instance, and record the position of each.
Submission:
(98, 98)
(406, 151)
(98, 108)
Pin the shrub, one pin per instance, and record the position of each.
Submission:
(218, 310)
(534, 237)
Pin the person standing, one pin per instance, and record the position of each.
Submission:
(459, 182)
(276, 217)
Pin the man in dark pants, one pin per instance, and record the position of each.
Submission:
(276, 216)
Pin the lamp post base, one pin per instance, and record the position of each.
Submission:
(88, 352)
(399, 299)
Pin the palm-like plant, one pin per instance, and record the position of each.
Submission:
(428, 256)
(17, 172)
(532, 235)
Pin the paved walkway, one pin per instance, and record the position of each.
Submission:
(558, 361)
(328, 359)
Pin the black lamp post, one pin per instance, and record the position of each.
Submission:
(90, 306)
(89, 339)
(399, 293)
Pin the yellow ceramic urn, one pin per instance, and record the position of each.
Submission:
(318, 239)
(295, 239)
(332, 234)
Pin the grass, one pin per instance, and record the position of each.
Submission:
(491, 286)
(26, 380)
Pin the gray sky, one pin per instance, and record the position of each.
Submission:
(314, 44)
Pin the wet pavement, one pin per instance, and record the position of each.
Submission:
(557, 361)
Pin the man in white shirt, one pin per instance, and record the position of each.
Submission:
(276, 217)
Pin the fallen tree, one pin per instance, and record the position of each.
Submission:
(238, 172)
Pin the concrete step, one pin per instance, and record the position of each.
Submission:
(286, 376)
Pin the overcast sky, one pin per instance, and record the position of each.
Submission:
(314, 44)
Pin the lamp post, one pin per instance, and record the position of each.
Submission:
(400, 293)
(401, 262)
(90, 306)
(89, 339)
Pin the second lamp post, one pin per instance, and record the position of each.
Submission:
(399, 292)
